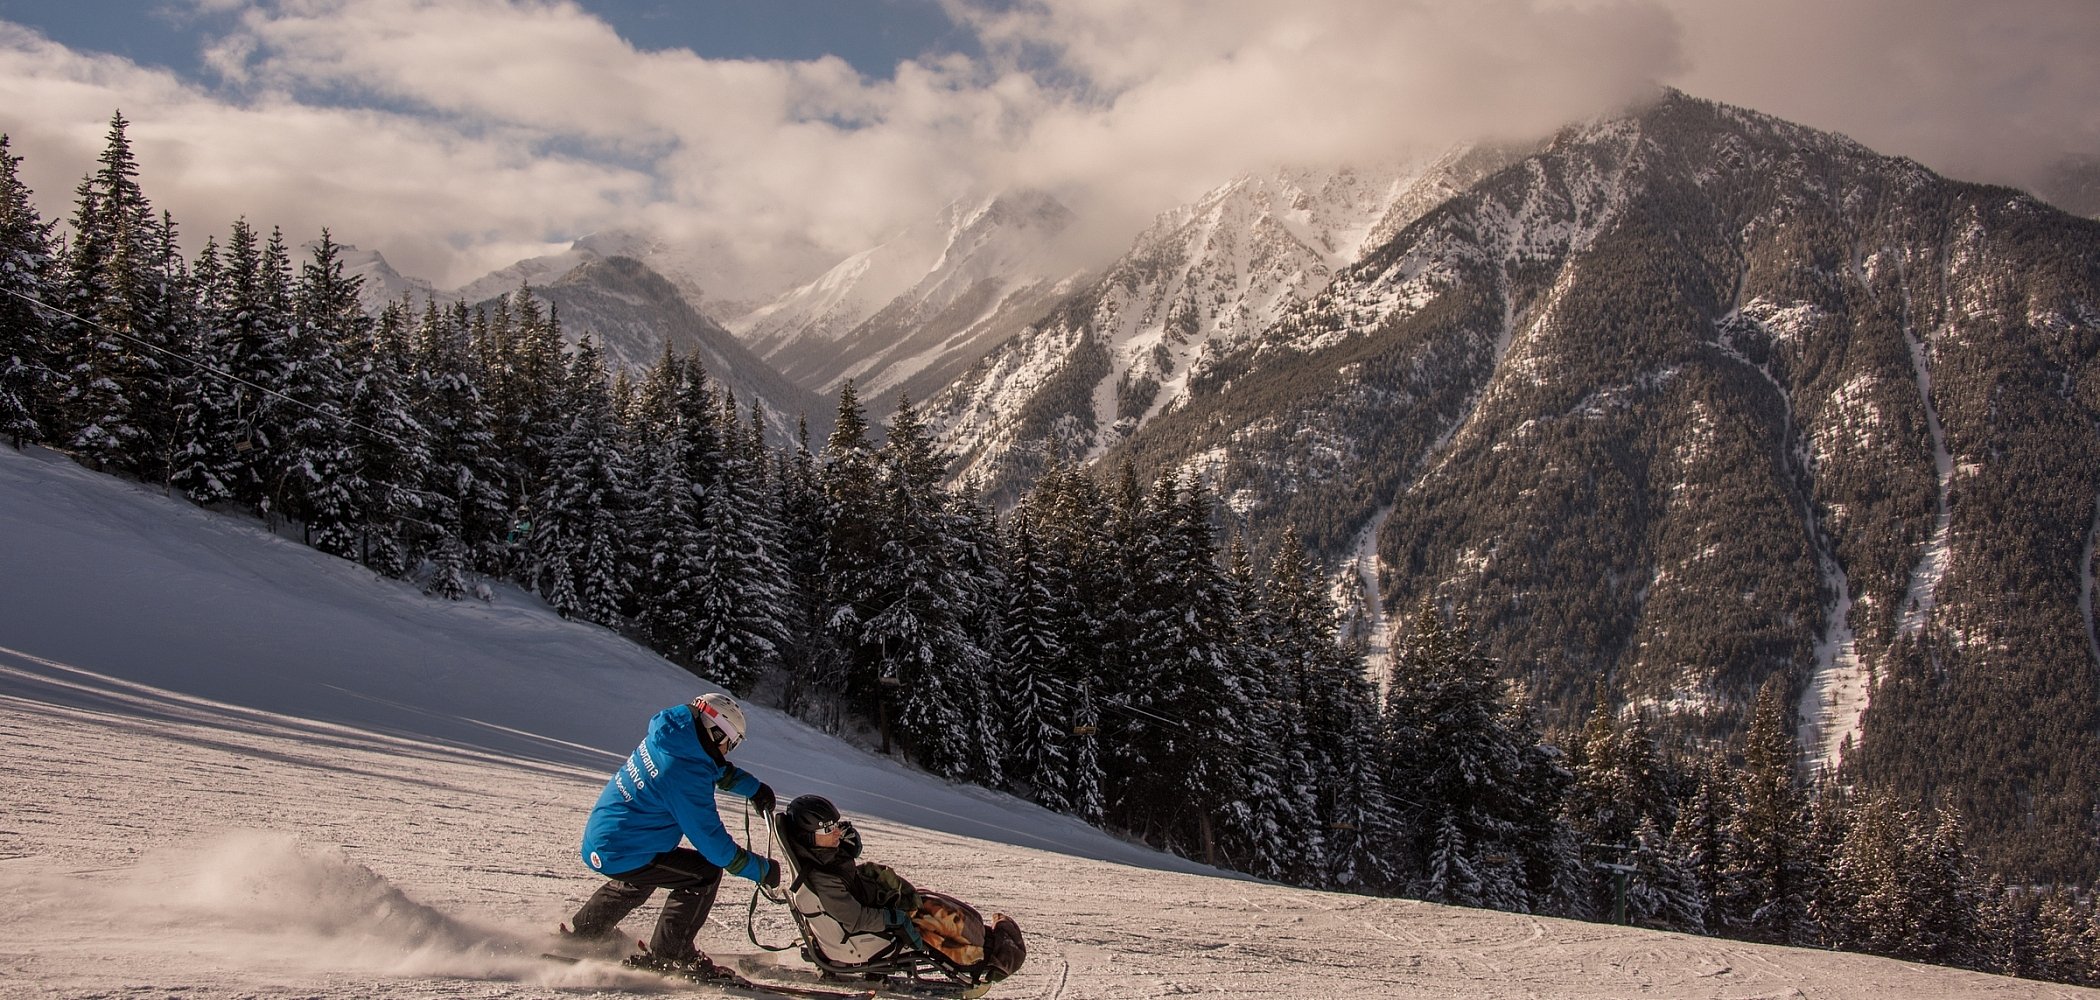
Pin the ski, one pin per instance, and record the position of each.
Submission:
(729, 981)
(904, 989)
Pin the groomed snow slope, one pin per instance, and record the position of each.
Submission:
(236, 768)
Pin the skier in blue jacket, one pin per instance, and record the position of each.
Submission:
(665, 790)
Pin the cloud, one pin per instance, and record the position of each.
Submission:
(1996, 91)
(1175, 97)
(458, 136)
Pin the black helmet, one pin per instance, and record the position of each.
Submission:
(807, 813)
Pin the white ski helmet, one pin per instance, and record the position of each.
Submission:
(721, 713)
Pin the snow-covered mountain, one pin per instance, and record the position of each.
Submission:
(382, 285)
(633, 313)
(1204, 278)
(909, 315)
(1693, 399)
(712, 276)
(237, 767)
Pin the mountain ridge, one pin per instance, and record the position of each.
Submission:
(1693, 398)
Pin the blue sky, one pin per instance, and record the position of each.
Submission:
(873, 35)
(783, 135)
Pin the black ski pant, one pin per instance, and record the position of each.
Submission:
(692, 880)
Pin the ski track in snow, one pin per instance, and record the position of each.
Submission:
(228, 776)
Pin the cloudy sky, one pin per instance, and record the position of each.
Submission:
(460, 135)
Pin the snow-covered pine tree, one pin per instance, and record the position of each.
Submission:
(815, 663)
(540, 378)
(1277, 831)
(579, 521)
(1548, 854)
(2005, 934)
(1863, 904)
(25, 337)
(929, 658)
(1619, 781)
(1035, 707)
(1462, 768)
(253, 309)
(106, 278)
(1451, 872)
(1942, 892)
(1132, 785)
(1769, 875)
(1662, 893)
(851, 574)
(206, 464)
(1170, 656)
(1070, 514)
(465, 478)
(1342, 728)
(667, 528)
(318, 481)
(980, 565)
(390, 449)
(1699, 840)
(738, 579)
(2063, 951)
(169, 325)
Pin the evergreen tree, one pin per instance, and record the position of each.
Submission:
(1548, 854)
(1070, 515)
(1699, 841)
(206, 464)
(1341, 727)
(391, 449)
(668, 541)
(1278, 829)
(2005, 931)
(538, 381)
(1770, 875)
(579, 519)
(979, 558)
(852, 560)
(108, 277)
(1464, 766)
(25, 272)
(920, 617)
(737, 617)
(1620, 782)
(251, 308)
(318, 481)
(1035, 704)
(1663, 893)
(1942, 893)
(2063, 953)
(816, 664)
(464, 485)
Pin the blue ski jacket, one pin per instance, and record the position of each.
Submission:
(667, 788)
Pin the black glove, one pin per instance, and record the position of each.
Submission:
(771, 879)
(762, 800)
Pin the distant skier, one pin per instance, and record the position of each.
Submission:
(667, 788)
